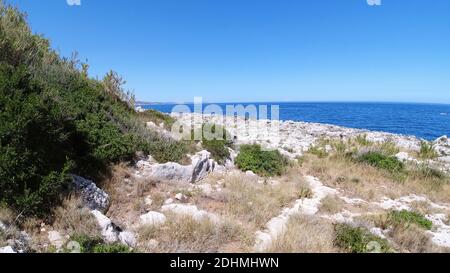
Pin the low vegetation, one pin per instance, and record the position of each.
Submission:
(157, 118)
(217, 146)
(92, 244)
(382, 161)
(186, 235)
(427, 151)
(264, 163)
(306, 235)
(358, 240)
(406, 218)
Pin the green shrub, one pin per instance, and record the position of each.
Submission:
(381, 161)
(407, 218)
(358, 240)
(264, 163)
(217, 147)
(55, 120)
(157, 118)
(427, 151)
(111, 248)
(97, 245)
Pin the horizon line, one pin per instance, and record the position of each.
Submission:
(294, 101)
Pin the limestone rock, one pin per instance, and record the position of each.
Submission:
(201, 166)
(127, 238)
(93, 197)
(153, 218)
(442, 146)
(110, 231)
(7, 250)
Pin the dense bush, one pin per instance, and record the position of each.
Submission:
(382, 161)
(406, 218)
(264, 163)
(358, 240)
(54, 120)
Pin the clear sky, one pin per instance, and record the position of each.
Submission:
(258, 50)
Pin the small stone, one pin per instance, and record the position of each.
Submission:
(250, 173)
(148, 201)
(56, 239)
(168, 201)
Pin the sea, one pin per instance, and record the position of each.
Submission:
(426, 121)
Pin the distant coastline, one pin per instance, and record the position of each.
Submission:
(423, 120)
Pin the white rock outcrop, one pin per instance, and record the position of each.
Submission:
(442, 146)
(201, 165)
(110, 232)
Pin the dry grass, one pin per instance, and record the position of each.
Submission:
(257, 203)
(306, 235)
(7, 218)
(73, 218)
(369, 183)
(127, 194)
(412, 239)
(185, 235)
(331, 205)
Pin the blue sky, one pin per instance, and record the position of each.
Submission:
(258, 50)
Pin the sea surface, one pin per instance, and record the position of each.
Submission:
(427, 121)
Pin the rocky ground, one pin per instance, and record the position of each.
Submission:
(204, 206)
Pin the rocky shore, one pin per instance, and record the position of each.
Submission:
(117, 224)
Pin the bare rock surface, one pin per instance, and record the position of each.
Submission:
(201, 165)
(93, 197)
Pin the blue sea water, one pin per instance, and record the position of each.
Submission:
(427, 121)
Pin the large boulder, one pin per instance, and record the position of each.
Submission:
(201, 165)
(92, 196)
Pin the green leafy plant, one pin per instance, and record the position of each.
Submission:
(264, 163)
(358, 240)
(90, 244)
(56, 120)
(382, 161)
